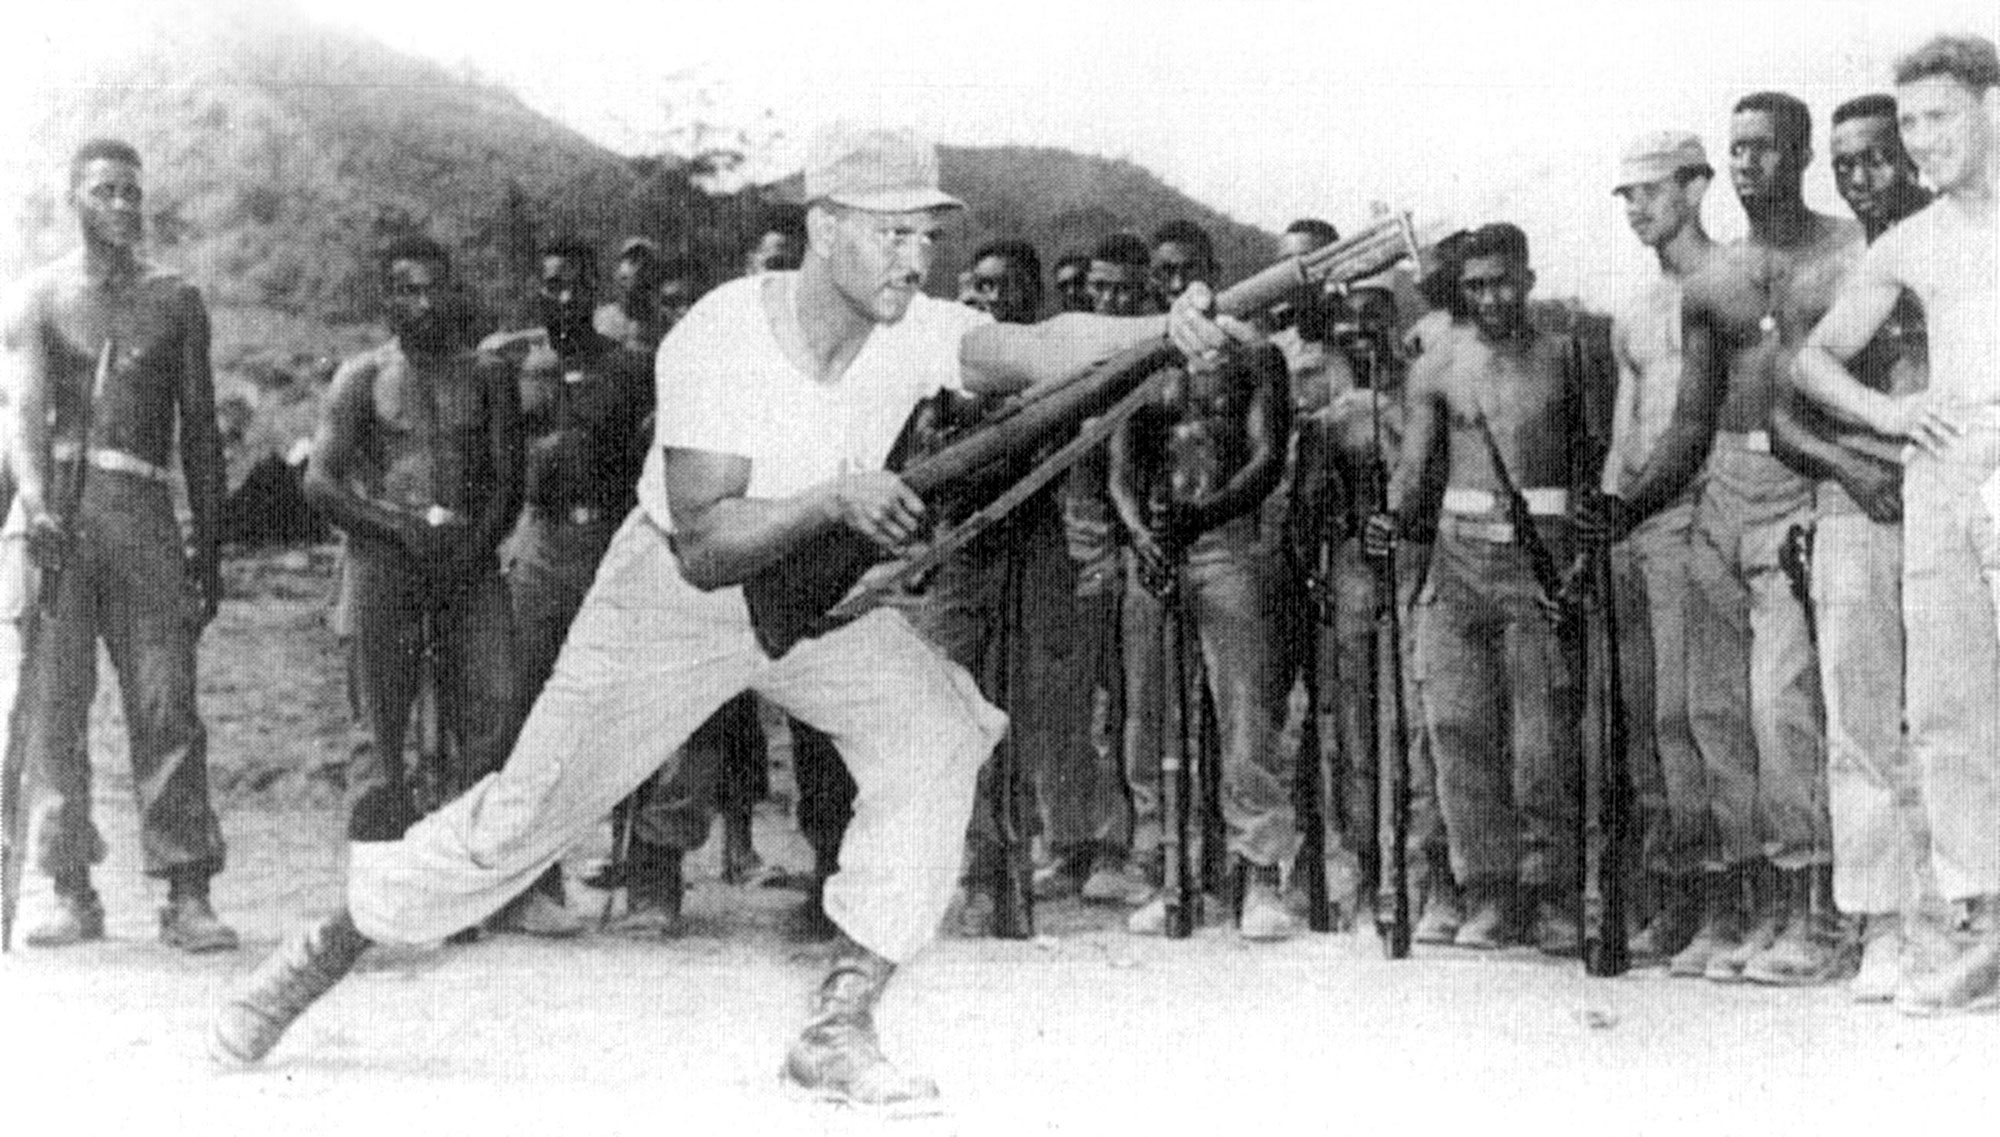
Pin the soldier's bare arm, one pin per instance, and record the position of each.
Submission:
(1682, 448)
(330, 482)
(1122, 480)
(1866, 300)
(26, 343)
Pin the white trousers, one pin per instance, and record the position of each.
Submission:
(648, 659)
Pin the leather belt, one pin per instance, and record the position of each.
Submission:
(1754, 441)
(114, 461)
(1543, 501)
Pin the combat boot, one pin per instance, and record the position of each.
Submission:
(1441, 912)
(1967, 978)
(837, 1054)
(75, 915)
(538, 912)
(1265, 918)
(1490, 918)
(1817, 945)
(1767, 919)
(187, 922)
(1674, 924)
(1721, 928)
(653, 891)
(252, 1019)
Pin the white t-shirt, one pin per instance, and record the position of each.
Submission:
(1953, 266)
(724, 385)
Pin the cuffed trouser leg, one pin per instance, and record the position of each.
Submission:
(1857, 591)
(647, 660)
(1954, 657)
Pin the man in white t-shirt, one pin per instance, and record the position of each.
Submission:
(778, 399)
(1948, 255)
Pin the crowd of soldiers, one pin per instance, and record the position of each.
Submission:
(1809, 679)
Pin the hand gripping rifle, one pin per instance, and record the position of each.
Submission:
(1391, 716)
(34, 628)
(800, 596)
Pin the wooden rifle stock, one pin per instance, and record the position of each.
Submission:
(790, 600)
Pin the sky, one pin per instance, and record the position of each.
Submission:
(1267, 109)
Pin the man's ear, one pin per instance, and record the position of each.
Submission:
(821, 222)
(1527, 279)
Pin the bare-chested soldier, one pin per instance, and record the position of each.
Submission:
(1490, 653)
(1188, 475)
(1858, 568)
(1662, 178)
(108, 342)
(1948, 256)
(418, 461)
(1743, 314)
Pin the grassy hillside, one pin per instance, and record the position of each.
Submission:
(280, 152)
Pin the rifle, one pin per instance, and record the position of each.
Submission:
(1013, 892)
(794, 598)
(1392, 756)
(1177, 720)
(1607, 784)
(33, 626)
(1315, 568)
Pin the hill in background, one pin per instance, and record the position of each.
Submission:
(281, 151)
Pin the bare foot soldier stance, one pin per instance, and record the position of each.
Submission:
(110, 344)
(1857, 572)
(1744, 313)
(585, 405)
(1948, 256)
(779, 396)
(1188, 476)
(1483, 626)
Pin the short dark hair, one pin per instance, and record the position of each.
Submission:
(1866, 106)
(1123, 249)
(571, 249)
(413, 247)
(1439, 286)
(1014, 251)
(1181, 231)
(1495, 239)
(1970, 59)
(1317, 228)
(1789, 114)
(106, 149)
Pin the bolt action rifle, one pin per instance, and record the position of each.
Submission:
(1390, 715)
(35, 626)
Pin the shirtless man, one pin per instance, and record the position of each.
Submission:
(633, 319)
(106, 338)
(1662, 179)
(585, 400)
(1948, 256)
(1188, 475)
(1509, 802)
(1857, 572)
(772, 425)
(1743, 315)
(418, 461)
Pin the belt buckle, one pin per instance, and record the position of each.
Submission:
(582, 514)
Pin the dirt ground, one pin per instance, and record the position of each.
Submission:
(1084, 1030)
